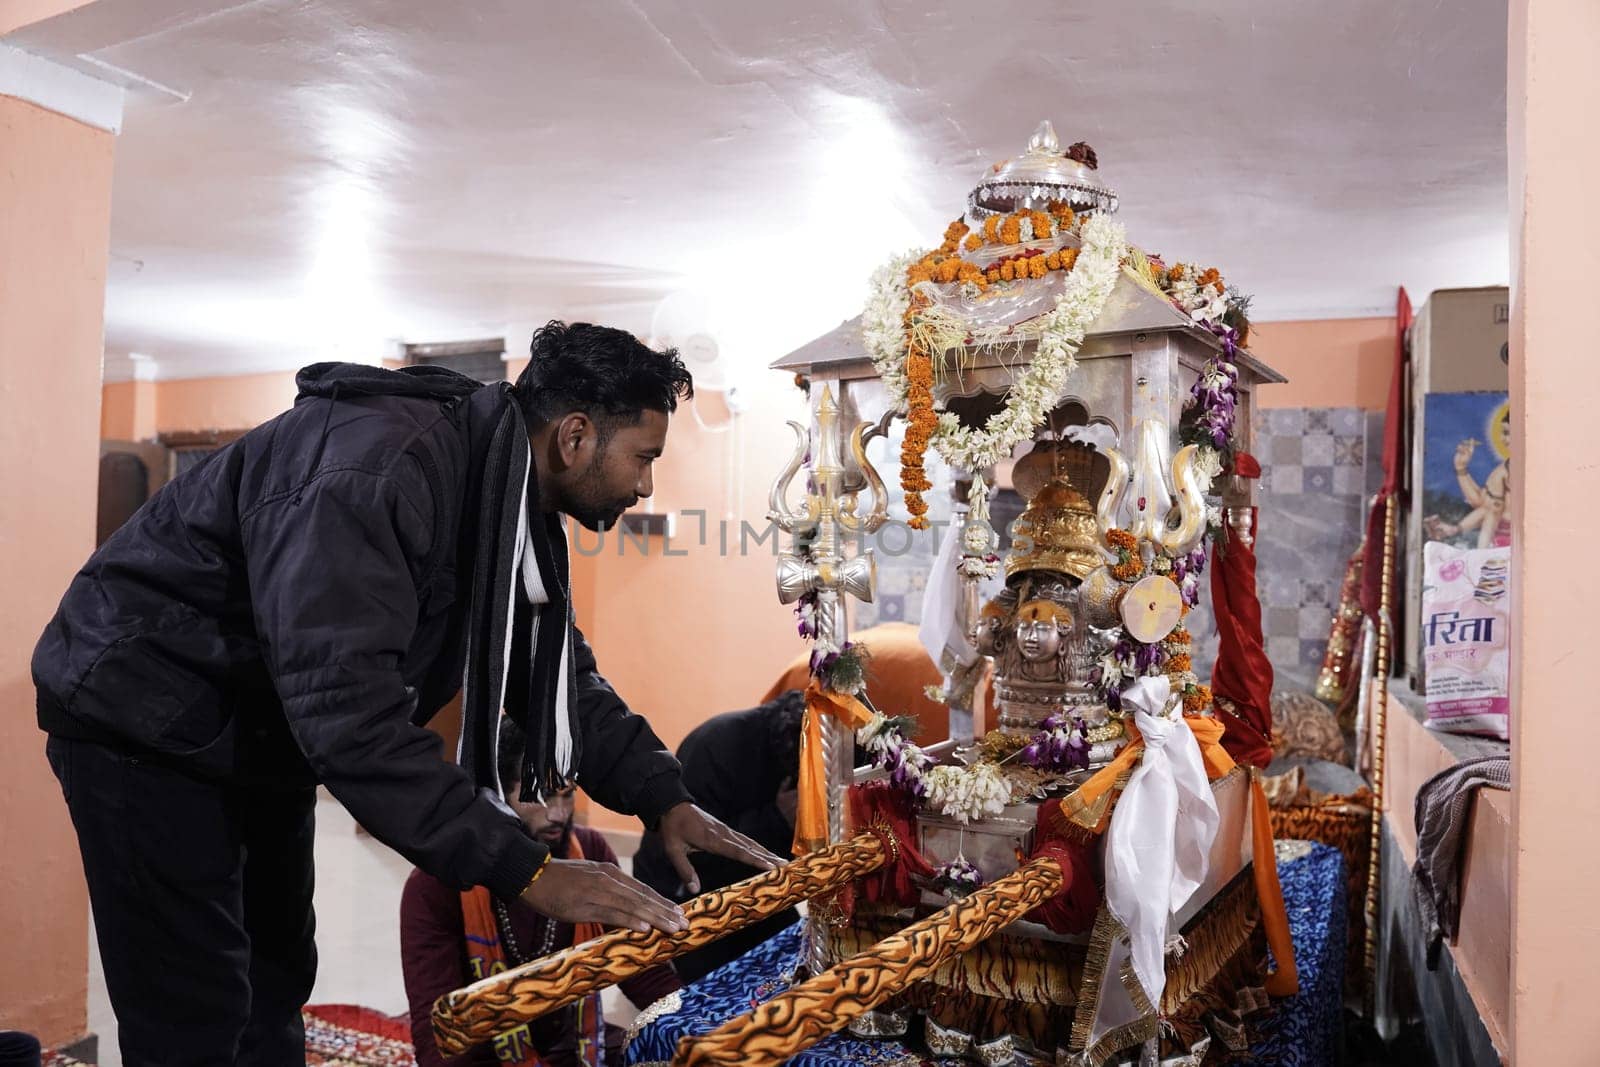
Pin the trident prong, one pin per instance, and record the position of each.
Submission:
(817, 563)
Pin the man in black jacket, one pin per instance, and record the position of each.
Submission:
(291, 612)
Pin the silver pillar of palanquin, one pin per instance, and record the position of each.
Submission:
(822, 568)
(833, 628)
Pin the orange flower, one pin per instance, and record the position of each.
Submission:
(1036, 267)
(1041, 225)
(1128, 570)
(974, 242)
(1007, 272)
(1120, 538)
(1179, 664)
(1069, 257)
(1197, 698)
(1011, 230)
(921, 423)
(1053, 261)
(993, 275)
(1175, 272)
(953, 234)
(991, 229)
(1178, 637)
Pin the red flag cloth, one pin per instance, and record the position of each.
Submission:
(1394, 436)
(880, 808)
(1241, 681)
(1074, 907)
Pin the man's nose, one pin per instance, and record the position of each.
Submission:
(646, 485)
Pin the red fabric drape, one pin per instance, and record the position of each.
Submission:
(879, 806)
(1394, 437)
(1241, 681)
(1072, 910)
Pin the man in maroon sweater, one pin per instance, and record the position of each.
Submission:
(449, 939)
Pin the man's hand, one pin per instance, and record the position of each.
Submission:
(577, 891)
(685, 829)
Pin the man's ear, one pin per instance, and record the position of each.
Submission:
(574, 437)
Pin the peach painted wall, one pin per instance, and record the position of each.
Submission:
(235, 403)
(1329, 362)
(128, 411)
(55, 221)
(1554, 152)
(137, 411)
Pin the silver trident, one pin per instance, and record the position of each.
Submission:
(816, 564)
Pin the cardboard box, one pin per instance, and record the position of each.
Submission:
(1460, 343)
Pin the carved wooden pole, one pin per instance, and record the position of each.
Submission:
(798, 1019)
(495, 1004)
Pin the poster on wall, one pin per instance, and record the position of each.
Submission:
(1466, 469)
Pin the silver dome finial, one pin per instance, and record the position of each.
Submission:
(1044, 139)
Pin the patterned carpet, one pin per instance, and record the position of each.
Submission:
(337, 1035)
(344, 1035)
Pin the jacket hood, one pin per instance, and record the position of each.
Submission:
(359, 379)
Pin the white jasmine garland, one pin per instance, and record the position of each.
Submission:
(1061, 331)
(876, 736)
(883, 325)
(1207, 465)
(967, 793)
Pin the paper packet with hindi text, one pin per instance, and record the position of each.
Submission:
(1466, 617)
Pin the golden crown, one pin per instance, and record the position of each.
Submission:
(1056, 532)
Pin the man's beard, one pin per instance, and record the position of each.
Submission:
(593, 511)
(557, 838)
(598, 517)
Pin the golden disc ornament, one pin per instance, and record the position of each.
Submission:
(1151, 609)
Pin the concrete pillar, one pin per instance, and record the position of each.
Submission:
(1554, 156)
(55, 218)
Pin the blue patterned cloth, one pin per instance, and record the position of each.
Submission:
(1302, 1031)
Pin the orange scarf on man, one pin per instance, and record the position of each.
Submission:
(486, 955)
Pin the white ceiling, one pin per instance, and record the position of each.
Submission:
(300, 179)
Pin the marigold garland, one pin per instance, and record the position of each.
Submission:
(1197, 698)
(920, 424)
(1128, 566)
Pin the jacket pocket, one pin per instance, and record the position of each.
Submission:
(158, 688)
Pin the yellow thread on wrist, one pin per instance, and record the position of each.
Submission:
(536, 874)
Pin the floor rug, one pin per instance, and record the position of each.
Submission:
(345, 1035)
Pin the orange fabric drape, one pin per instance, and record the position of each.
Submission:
(1088, 805)
(811, 814)
(898, 675)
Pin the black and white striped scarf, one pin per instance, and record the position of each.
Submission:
(519, 624)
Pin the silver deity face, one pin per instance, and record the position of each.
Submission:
(1039, 639)
(986, 635)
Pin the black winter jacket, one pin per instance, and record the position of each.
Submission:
(292, 610)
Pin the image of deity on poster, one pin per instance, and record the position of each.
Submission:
(1466, 460)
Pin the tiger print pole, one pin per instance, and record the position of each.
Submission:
(798, 1019)
(495, 1004)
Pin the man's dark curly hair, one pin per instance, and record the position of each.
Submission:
(608, 374)
(785, 713)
